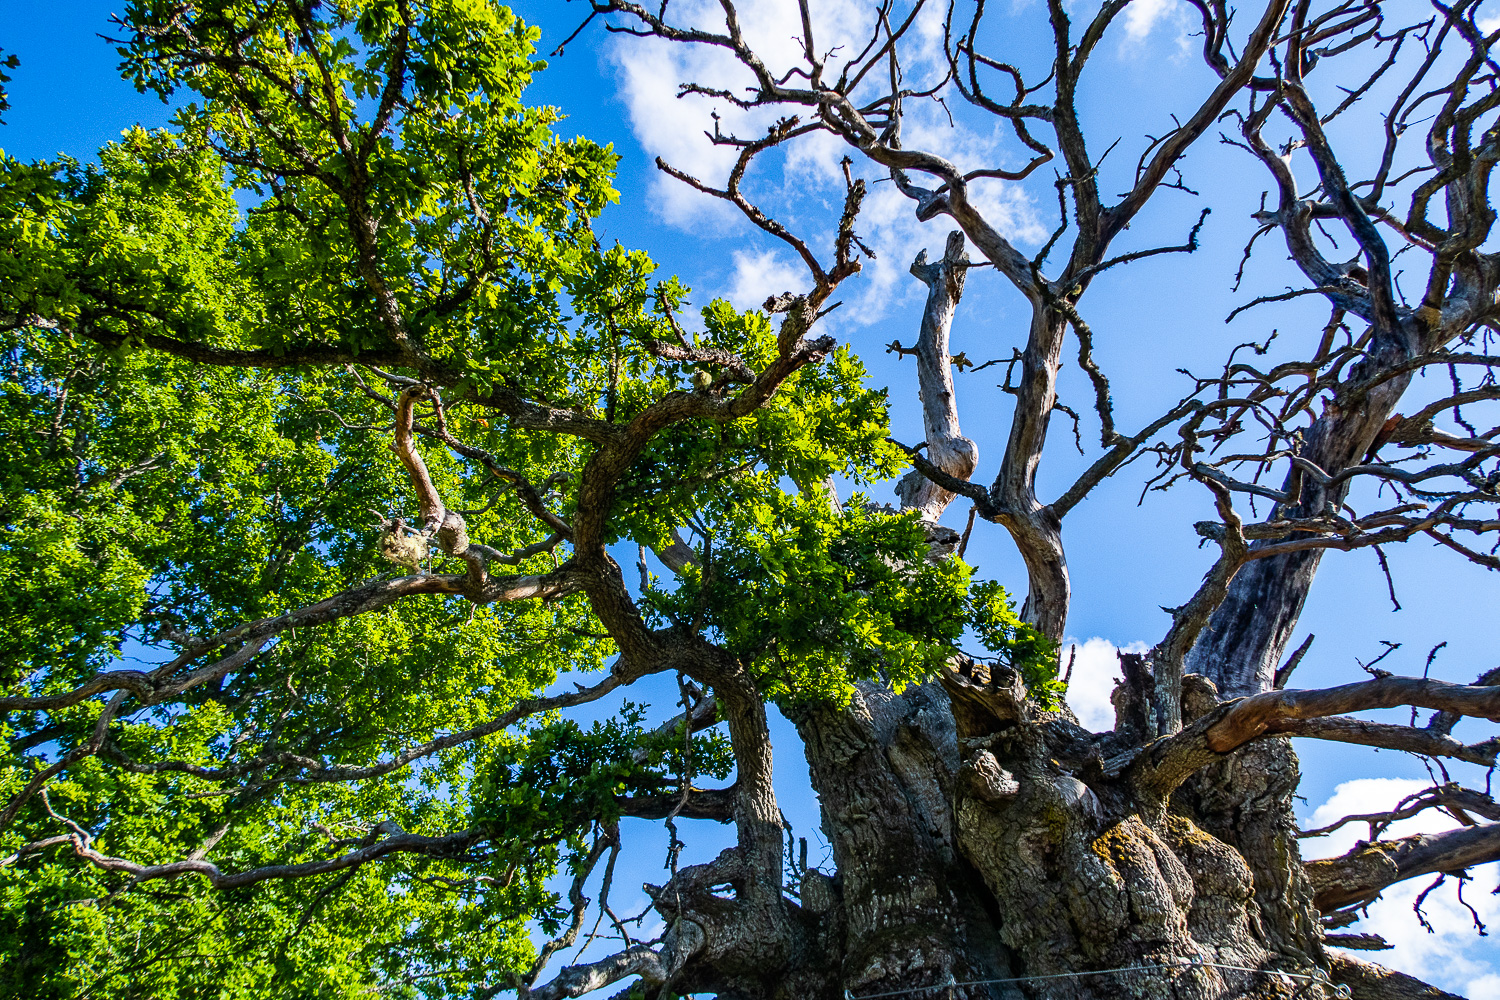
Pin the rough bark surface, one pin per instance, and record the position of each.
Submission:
(1245, 640)
(947, 448)
(979, 838)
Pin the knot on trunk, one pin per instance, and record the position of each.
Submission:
(453, 536)
(818, 892)
(984, 778)
(985, 699)
(1199, 697)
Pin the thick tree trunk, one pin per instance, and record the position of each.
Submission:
(981, 847)
(913, 910)
(977, 840)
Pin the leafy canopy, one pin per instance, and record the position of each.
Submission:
(198, 334)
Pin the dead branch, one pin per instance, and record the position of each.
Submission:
(1359, 876)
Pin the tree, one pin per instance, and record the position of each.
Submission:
(248, 757)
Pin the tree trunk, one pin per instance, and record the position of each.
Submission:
(1240, 648)
(977, 840)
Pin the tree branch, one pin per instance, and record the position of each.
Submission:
(1359, 876)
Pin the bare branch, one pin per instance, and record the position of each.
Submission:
(1359, 876)
(1341, 729)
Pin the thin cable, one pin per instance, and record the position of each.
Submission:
(1193, 963)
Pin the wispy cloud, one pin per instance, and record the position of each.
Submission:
(1143, 15)
(760, 275)
(803, 185)
(1488, 19)
(672, 126)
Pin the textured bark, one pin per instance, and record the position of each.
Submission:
(1359, 876)
(1246, 801)
(912, 911)
(977, 838)
(1368, 981)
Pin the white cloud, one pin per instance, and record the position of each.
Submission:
(760, 275)
(1096, 669)
(650, 71)
(673, 127)
(1486, 987)
(1142, 15)
(1452, 955)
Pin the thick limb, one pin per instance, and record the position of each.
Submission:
(1368, 981)
(947, 448)
(1359, 876)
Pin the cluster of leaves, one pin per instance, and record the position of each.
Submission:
(8, 62)
(823, 422)
(145, 496)
(68, 930)
(141, 239)
(549, 786)
(1015, 644)
(817, 596)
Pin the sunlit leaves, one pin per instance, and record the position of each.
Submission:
(816, 598)
(8, 62)
(1014, 643)
(541, 791)
(345, 180)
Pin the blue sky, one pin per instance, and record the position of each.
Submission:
(1127, 560)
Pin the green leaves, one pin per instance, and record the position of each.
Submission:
(145, 497)
(384, 152)
(8, 62)
(199, 339)
(816, 598)
(1015, 644)
(68, 930)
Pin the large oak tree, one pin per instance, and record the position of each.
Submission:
(329, 422)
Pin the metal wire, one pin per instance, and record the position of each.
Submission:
(1193, 963)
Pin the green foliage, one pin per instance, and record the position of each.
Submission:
(145, 495)
(300, 198)
(1014, 643)
(823, 422)
(68, 931)
(817, 597)
(8, 62)
(545, 789)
